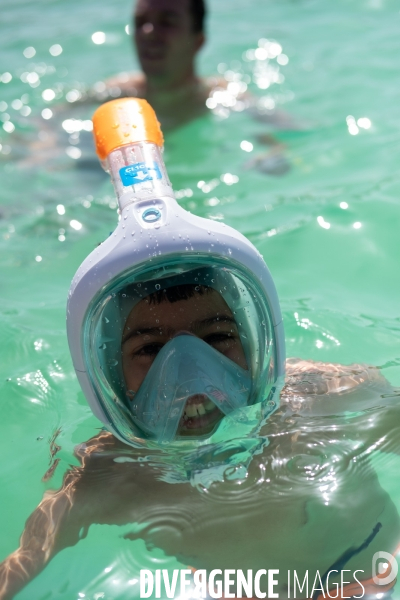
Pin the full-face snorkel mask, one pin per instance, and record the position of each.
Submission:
(157, 250)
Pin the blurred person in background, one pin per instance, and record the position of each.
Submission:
(168, 35)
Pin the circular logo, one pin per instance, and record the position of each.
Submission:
(384, 571)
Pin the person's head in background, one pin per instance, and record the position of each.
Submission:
(167, 35)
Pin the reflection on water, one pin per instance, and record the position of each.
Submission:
(303, 495)
(314, 488)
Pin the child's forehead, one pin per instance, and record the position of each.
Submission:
(195, 308)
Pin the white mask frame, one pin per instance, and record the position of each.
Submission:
(239, 290)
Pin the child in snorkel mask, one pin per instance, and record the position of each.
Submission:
(159, 247)
(177, 340)
(205, 340)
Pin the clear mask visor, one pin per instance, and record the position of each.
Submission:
(173, 349)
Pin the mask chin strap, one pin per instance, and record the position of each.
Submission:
(185, 367)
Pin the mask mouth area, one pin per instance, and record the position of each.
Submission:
(200, 416)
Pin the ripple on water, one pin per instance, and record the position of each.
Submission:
(314, 455)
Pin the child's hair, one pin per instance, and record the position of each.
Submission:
(178, 292)
(198, 11)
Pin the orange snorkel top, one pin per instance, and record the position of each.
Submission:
(122, 122)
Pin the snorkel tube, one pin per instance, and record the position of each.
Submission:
(157, 244)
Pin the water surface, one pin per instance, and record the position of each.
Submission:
(327, 228)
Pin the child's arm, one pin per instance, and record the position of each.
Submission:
(54, 524)
(38, 543)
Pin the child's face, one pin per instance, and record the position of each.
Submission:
(150, 326)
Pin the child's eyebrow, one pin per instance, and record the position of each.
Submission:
(170, 331)
(212, 320)
(142, 331)
(166, 13)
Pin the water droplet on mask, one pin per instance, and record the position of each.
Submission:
(139, 285)
(103, 347)
(124, 295)
(158, 286)
(106, 320)
(197, 288)
(112, 362)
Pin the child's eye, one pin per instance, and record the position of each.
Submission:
(218, 338)
(150, 350)
(139, 22)
(168, 22)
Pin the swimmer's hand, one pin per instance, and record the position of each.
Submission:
(273, 162)
(278, 119)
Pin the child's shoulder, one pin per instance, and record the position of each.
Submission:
(316, 377)
(331, 388)
(102, 444)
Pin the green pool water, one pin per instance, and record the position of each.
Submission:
(328, 228)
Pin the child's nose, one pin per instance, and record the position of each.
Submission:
(182, 332)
